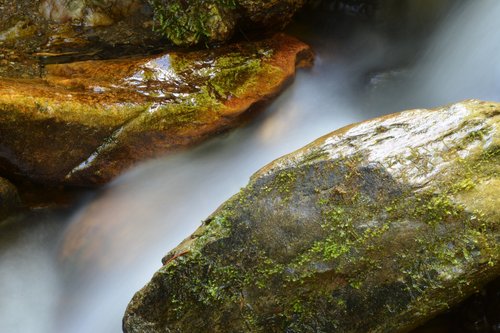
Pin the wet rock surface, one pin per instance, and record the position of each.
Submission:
(85, 122)
(192, 22)
(34, 33)
(376, 227)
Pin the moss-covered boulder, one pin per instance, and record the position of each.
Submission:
(85, 122)
(373, 228)
(9, 198)
(193, 21)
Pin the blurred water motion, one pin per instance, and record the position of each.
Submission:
(461, 62)
(113, 244)
(30, 283)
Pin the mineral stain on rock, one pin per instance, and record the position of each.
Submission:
(376, 227)
(85, 122)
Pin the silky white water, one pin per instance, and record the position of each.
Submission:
(122, 232)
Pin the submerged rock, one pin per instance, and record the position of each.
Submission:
(192, 22)
(9, 198)
(85, 122)
(376, 227)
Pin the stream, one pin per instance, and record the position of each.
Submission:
(75, 270)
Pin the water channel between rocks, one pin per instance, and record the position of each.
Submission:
(76, 271)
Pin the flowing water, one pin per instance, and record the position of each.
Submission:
(76, 271)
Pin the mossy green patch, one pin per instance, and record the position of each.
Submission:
(227, 75)
(208, 84)
(191, 22)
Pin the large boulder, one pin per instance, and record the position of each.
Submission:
(9, 198)
(193, 21)
(85, 122)
(373, 228)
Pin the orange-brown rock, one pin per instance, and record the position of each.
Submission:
(84, 123)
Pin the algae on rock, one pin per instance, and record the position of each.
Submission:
(376, 227)
(85, 122)
(191, 22)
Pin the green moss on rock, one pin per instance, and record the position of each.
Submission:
(350, 234)
(191, 22)
(103, 116)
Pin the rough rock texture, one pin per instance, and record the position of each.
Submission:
(58, 30)
(373, 228)
(9, 198)
(193, 21)
(33, 33)
(87, 121)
